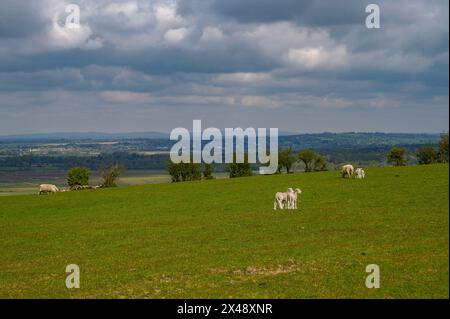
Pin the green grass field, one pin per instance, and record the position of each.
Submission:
(222, 238)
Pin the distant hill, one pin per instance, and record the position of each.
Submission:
(149, 150)
(313, 140)
(354, 140)
(83, 136)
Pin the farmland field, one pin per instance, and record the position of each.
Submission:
(222, 238)
(15, 182)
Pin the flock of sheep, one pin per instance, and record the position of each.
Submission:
(289, 198)
(348, 170)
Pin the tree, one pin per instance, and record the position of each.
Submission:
(320, 163)
(396, 156)
(443, 148)
(307, 156)
(280, 167)
(286, 159)
(427, 155)
(208, 169)
(110, 174)
(78, 176)
(240, 169)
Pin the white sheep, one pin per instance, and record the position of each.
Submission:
(347, 170)
(279, 199)
(47, 188)
(360, 174)
(292, 196)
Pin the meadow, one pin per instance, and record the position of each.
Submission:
(222, 239)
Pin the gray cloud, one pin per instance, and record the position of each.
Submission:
(20, 18)
(309, 12)
(154, 65)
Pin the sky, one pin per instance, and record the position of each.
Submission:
(301, 66)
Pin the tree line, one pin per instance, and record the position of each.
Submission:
(311, 160)
(181, 172)
(425, 155)
(130, 160)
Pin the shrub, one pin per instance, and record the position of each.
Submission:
(208, 169)
(194, 172)
(181, 172)
(427, 155)
(396, 156)
(240, 169)
(111, 173)
(320, 163)
(443, 148)
(174, 171)
(78, 176)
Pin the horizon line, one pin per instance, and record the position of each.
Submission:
(168, 133)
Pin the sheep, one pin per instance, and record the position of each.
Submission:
(347, 170)
(47, 188)
(279, 199)
(292, 196)
(360, 174)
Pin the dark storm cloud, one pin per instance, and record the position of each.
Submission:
(309, 12)
(19, 18)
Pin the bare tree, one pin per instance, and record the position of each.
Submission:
(110, 174)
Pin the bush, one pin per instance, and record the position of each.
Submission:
(181, 172)
(174, 171)
(208, 169)
(111, 173)
(396, 156)
(194, 172)
(78, 176)
(320, 163)
(427, 155)
(240, 169)
(443, 148)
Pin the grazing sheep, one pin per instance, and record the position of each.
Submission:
(47, 188)
(280, 198)
(347, 171)
(292, 196)
(360, 174)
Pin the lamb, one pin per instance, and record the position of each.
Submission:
(280, 198)
(292, 196)
(360, 174)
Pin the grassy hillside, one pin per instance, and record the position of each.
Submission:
(222, 238)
